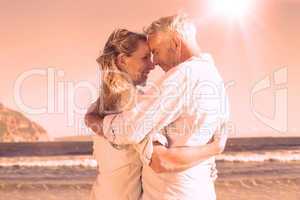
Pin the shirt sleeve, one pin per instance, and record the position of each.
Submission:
(160, 108)
(145, 147)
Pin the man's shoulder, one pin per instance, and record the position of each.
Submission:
(195, 68)
(193, 63)
(199, 62)
(200, 67)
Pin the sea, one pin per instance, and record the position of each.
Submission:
(249, 169)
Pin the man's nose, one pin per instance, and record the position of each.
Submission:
(155, 60)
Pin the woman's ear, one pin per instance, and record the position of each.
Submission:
(121, 61)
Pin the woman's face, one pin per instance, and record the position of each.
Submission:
(138, 65)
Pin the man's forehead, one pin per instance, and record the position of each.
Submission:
(156, 38)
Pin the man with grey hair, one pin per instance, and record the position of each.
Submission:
(190, 105)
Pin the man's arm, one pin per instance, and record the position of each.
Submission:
(178, 89)
(181, 158)
(154, 112)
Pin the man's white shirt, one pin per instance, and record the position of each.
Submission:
(194, 88)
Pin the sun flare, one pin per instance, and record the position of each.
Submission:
(231, 8)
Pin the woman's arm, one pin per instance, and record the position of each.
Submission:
(181, 158)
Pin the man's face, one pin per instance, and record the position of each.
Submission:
(139, 64)
(164, 52)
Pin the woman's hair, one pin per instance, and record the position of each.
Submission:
(116, 86)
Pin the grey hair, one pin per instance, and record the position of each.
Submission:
(179, 23)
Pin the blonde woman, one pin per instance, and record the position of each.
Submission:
(126, 63)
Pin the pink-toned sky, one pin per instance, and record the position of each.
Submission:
(63, 35)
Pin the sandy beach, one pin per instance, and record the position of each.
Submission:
(235, 182)
(247, 189)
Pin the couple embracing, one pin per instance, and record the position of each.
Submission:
(157, 141)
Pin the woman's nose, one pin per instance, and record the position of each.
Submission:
(151, 65)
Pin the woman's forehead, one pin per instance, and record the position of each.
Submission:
(142, 48)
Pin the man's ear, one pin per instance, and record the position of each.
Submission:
(176, 42)
(121, 61)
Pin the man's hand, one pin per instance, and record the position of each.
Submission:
(220, 138)
(94, 122)
(92, 118)
(214, 172)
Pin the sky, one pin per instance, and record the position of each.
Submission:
(48, 51)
